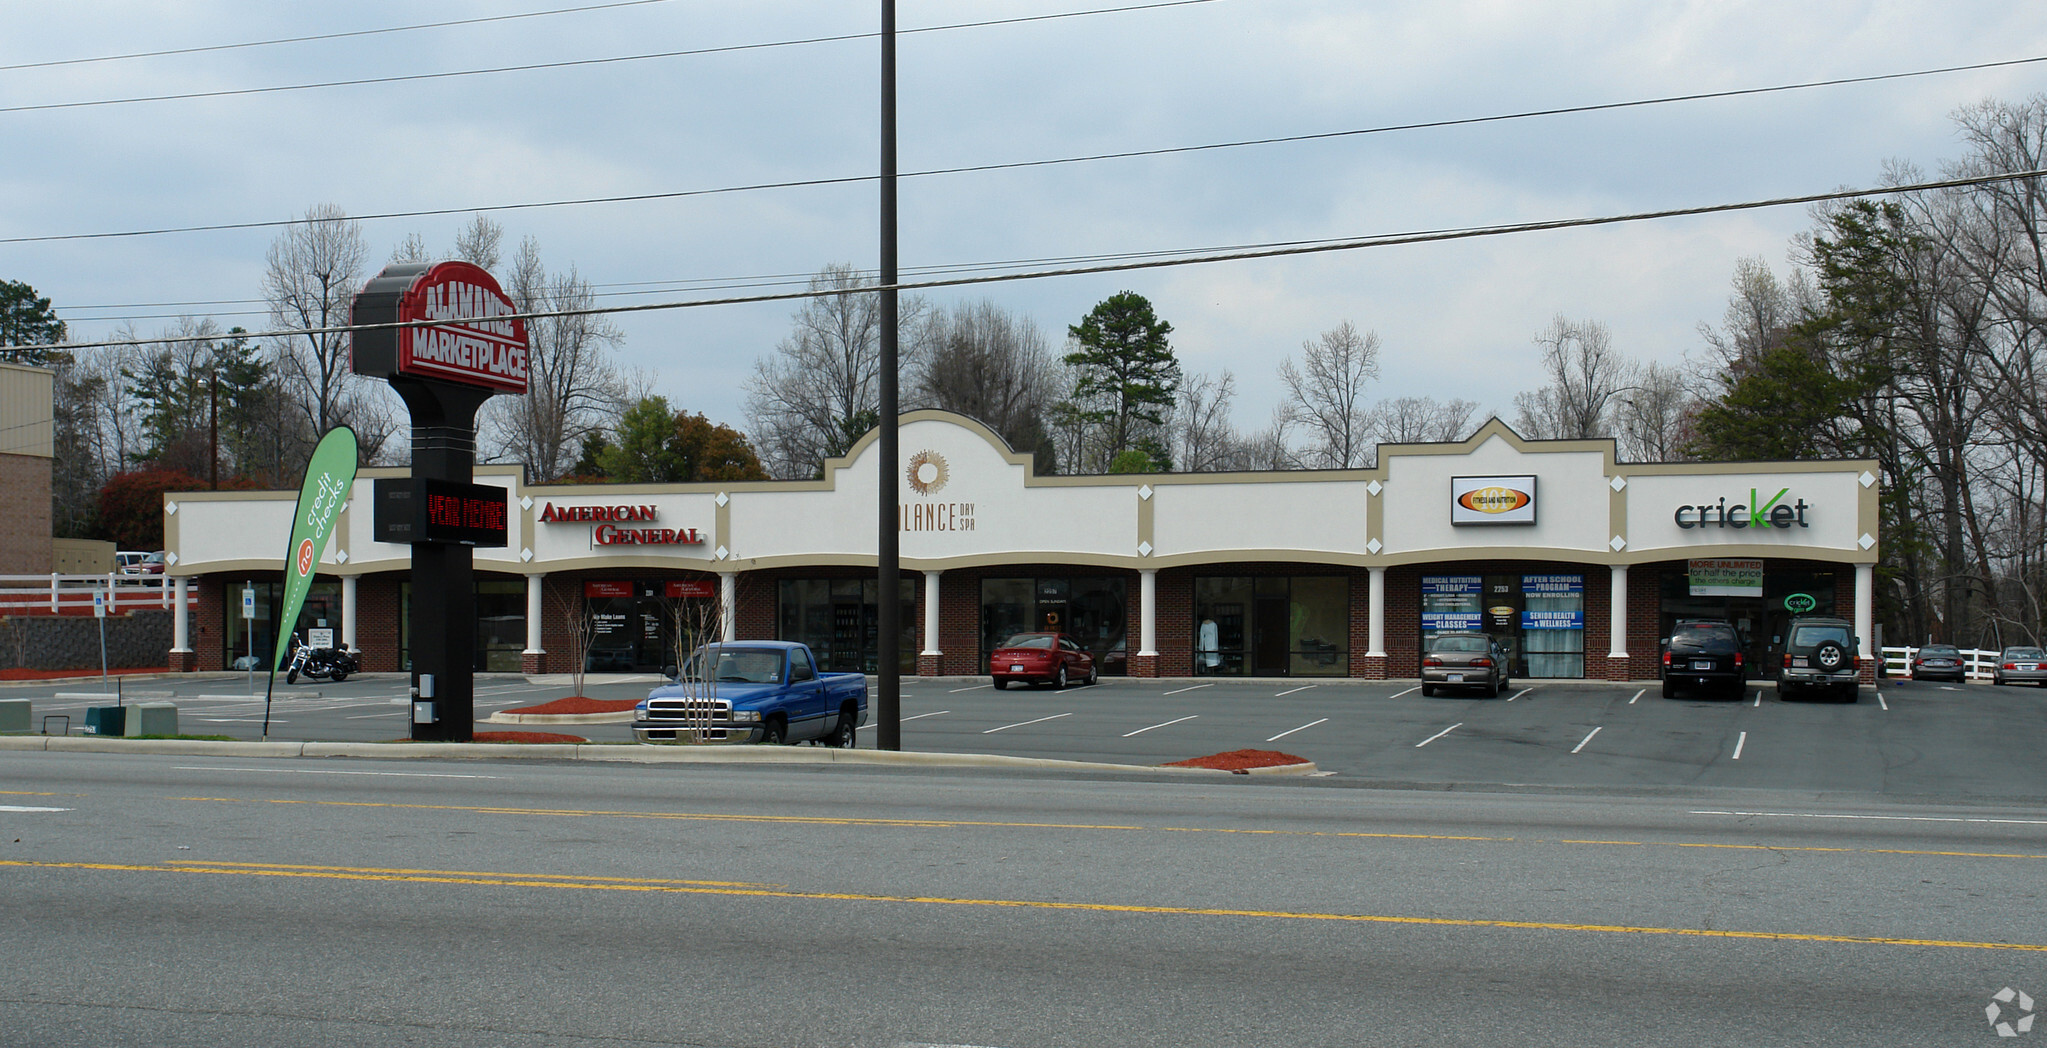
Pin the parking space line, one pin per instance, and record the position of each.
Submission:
(1439, 735)
(1586, 739)
(1880, 701)
(1638, 695)
(1518, 694)
(976, 687)
(1758, 704)
(1290, 691)
(921, 716)
(373, 716)
(1303, 727)
(1020, 724)
(1177, 691)
(1141, 731)
(1743, 740)
(1409, 691)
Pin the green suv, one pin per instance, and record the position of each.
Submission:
(1820, 654)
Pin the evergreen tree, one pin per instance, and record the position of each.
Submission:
(1126, 374)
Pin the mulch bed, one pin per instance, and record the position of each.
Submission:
(580, 704)
(1241, 760)
(524, 736)
(61, 674)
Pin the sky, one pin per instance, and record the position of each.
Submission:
(1456, 319)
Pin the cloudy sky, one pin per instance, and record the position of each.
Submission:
(1117, 76)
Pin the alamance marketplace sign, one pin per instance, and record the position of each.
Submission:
(608, 518)
(467, 332)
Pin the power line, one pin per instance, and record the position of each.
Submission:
(1147, 260)
(324, 36)
(1527, 114)
(577, 62)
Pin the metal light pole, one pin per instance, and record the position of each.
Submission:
(888, 611)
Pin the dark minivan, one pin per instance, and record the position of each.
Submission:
(1706, 656)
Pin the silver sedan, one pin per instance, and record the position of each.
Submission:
(2020, 666)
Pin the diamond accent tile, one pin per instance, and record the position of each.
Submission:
(1144, 549)
(525, 502)
(170, 509)
(1865, 541)
(1373, 546)
(340, 556)
(723, 553)
(1867, 478)
(170, 558)
(1618, 483)
(1618, 544)
(1374, 487)
(525, 555)
(1144, 492)
(722, 499)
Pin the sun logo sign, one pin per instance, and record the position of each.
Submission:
(927, 472)
(2015, 1022)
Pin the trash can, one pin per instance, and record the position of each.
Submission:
(105, 720)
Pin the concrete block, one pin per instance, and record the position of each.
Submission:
(14, 715)
(152, 718)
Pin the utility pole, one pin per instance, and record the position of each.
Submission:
(888, 609)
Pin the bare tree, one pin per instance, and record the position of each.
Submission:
(479, 242)
(819, 391)
(411, 249)
(314, 269)
(1327, 395)
(1421, 420)
(992, 366)
(1586, 376)
(1653, 419)
(573, 389)
(1203, 439)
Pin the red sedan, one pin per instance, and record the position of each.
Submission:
(1052, 658)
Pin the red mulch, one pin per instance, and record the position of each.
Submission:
(1241, 760)
(80, 672)
(580, 704)
(524, 736)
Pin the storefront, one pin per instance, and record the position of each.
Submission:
(1580, 563)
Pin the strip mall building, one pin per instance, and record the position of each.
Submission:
(1579, 562)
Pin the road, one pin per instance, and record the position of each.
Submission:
(218, 901)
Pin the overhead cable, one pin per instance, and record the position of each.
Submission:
(1281, 250)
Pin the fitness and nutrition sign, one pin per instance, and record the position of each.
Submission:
(473, 338)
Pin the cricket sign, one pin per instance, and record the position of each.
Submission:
(467, 334)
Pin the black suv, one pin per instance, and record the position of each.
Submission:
(1704, 655)
(1820, 654)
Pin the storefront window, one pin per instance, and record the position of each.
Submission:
(645, 625)
(252, 643)
(1553, 625)
(1091, 610)
(1272, 627)
(1760, 617)
(500, 625)
(838, 620)
(1538, 619)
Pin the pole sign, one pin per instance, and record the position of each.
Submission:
(463, 337)
(249, 602)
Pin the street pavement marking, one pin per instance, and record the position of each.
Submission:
(1020, 724)
(329, 771)
(1290, 691)
(976, 687)
(1881, 818)
(921, 716)
(1638, 695)
(1196, 687)
(1303, 727)
(1759, 699)
(1398, 694)
(374, 716)
(1880, 701)
(729, 889)
(1740, 742)
(25, 808)
(1439, 735)
(1586, 739)
(1518, 694)
(1169, 723)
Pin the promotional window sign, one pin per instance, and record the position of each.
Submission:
(329, 475)
(1726, 578)
(1492, 500)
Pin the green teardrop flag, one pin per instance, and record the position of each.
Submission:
(328, 477)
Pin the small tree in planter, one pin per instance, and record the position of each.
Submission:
(571, 608)
(695, 623)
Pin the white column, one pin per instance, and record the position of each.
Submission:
(1148, 612)
(1865, 612)
(348, 612)
(728, 606)
(931, 613)
(1375, 607)
(1617, 615)
(534, 611)
(181, 629)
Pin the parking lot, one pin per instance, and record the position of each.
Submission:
(1902, 738)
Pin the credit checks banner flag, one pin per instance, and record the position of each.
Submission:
(329, 476)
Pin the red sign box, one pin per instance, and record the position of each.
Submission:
(692, 588)
(607, 589)
(472, 340)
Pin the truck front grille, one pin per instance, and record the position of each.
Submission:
(690, 710)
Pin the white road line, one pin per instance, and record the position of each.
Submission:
(1518, 694)
(1880, 701)
(1439, 735)
(921, 716)
(976, 687)
(17, 807)
(324, 771)
(1638, 695)
(1020, 724)
(1873, 818)
(1740, 742)
(1177, 691)
(238, 720)
(1398, 694)
(1303, 727)
(373, 716)
(1141, 731)
(1290, 691)
(1586, 739)
(1758, 704)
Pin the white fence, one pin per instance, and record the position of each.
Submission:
(1898, 662)
(73, 594)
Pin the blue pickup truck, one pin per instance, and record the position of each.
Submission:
(754, 691)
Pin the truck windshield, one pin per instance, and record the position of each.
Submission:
(737, 665)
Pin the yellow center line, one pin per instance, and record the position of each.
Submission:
(507, 880)
(272, 866)
(826, 820)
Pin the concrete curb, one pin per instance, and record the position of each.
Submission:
(508, 717)
(634, 754)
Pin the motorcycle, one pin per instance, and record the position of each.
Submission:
(335, 664)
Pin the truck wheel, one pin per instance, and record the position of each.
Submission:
(846, 732)
(774, 733)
